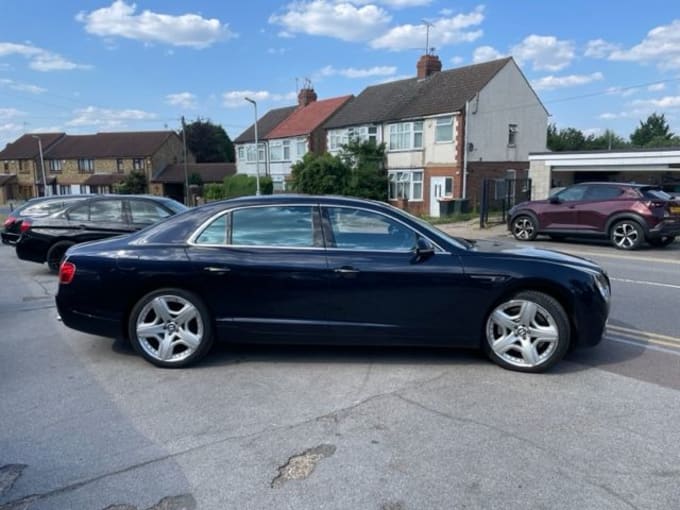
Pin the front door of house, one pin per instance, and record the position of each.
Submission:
(437, 190)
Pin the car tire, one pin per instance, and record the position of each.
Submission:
(524, 228)
(171, 328)
(56, 254)
(660, 242)
(528, 332)
(626, 235)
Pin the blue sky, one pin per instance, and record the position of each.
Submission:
(84, 66)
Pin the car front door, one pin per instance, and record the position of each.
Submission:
(98, 219)
(380, 290)
(263, 272)
(561, 211)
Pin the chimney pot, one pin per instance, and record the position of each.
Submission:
(428, 65)
(306, 96)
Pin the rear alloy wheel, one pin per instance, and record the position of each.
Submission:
(626, 235)
(56, 254)
(524, 228)
(170, 328)
(660, 242)
(529, 332)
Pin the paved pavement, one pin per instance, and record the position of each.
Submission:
(470, 230)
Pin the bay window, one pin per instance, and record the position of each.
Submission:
(406, 184)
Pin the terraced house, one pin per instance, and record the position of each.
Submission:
(445, 131)
(72, 164)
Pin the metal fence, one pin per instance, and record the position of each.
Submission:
(498, 196)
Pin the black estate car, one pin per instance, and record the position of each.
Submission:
(309, 269)
(47, 239)
(35, 208)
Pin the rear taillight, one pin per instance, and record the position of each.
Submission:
(67, 271)
(25, 225)
(9, 221)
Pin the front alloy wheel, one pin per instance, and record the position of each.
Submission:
(524, 228)
(529, 332)
(170, 328)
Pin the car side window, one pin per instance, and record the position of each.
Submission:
(358, 229)
(107, 211)
(216, 232)
(603, 192)
(80, 212)
(144, 211)
(282, 226)
(572, 194)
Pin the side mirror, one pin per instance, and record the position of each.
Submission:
(422, 251)
(554, 199)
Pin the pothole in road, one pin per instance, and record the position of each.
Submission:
(301, 466)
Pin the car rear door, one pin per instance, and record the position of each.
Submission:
(600, 201)
(98, 219)
(380, 292)
(144, 212)
(263, 271)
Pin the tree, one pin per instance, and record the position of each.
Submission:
(240, 185)
(320, 174)
(655, 130)
(133, 183)
(368, 178)
(209, 142)
(566, 139)
(605, 141)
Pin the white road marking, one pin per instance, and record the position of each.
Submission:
(636, 333)
(645, 345)
(644, 282)
(638, 258)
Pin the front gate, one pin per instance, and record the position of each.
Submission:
(498, 196)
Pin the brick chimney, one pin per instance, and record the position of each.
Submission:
(428, 65)
(306, 96)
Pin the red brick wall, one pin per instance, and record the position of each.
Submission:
(480, 170)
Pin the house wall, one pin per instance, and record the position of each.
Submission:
(432, 153)
(172, 151)
(506, 99)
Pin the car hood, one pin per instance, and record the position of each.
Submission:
(520, 251)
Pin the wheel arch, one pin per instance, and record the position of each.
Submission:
(616, 217)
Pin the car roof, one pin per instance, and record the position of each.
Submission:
(282, 198)
(607, 183)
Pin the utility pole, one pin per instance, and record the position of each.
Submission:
(186, 173)
(257, 149)
(42, 165)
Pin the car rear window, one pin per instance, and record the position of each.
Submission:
(655, 194)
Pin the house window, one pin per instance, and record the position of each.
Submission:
(406, 184)
(241, 153)
(512, 135)
(448, 187)
(55, 165)
(6, 166)
(84, 189)
(339, 137)
(406, 136)
(86, 165)
(301, 147)
(250, 152)
(64, 189)
(23, 167)
(138, 164)
(120, 166)
(444, 129)
(279, 150)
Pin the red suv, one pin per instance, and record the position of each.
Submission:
(627, 214)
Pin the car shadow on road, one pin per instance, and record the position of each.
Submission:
(569, 242)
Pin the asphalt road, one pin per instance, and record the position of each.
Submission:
(86, 424)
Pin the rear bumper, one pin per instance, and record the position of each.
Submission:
(9, 238)
(88, 323)
(668, 227)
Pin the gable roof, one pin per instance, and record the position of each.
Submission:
(26, 147)
(306, 119)
(109, 145)
(209, 172)
(441, 92)
(265, 124)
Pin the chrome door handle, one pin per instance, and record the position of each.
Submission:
(346, 270)
(213, 269)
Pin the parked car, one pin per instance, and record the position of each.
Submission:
(47, 239)
(306, 269)
(626, 214)
(35, 208)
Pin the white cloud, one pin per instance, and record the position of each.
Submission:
(445, 31)
(559, 82)
(8, 113)
(656, 87)
(661, 46)
(352, 72)
(599, 48)
(21, 87)
(622, 91)
(39, 59)
(182, 99)
(341, 20)
(108, 118)
(545, 52)
(119, 20)
(236, 98)
(457, 60)
(277, 51)
(485, 53)
(663, 103)
(396, 4)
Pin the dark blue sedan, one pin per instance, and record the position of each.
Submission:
(310, 269)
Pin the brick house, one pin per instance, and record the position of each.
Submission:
(298, 131)
(169, 181)
(445, 131)
(86, 163)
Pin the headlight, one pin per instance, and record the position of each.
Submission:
(602, 284)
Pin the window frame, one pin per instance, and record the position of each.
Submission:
(399, 179)
(443, 122)
(408, 131)
(55, 165)
(513, 130)
(86, 165)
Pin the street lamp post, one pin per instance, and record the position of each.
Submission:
(42, 164)
(186, 172)
(257, 148)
